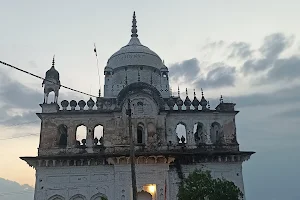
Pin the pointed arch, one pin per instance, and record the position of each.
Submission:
(140, 133)
(62, 136)
(99, 196)
(98, 134)
(81, 134)
(181, 133)
(199, 134)
(56, 197)
(78, 197)
(216, 133)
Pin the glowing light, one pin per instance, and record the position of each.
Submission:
(152, 188)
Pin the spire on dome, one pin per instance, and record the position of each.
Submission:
(134, 29)
(53, 61)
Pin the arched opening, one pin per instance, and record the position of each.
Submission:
(216, 133)
(181, 133)
(140, 134)
(140, 108)
(56, 197)
(99, 196)
(62, 136)
(98, 135)
(81, 133)
(51, 96)
(143, 195)
(165, 75)
(78, 197)
(199, 133)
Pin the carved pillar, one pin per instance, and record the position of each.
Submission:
(71, 136)
(190, 135)
(208, 134)
(90, 136)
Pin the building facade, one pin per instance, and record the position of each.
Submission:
(173, 135)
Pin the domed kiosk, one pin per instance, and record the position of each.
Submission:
(135, 63)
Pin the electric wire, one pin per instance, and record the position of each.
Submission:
(95, 50)
(36, 76)
(20, 124)
(14, 193)
(22, 136)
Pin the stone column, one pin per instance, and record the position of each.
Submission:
(90, 136)
(71, 137)
(208, 135)
(190, 135)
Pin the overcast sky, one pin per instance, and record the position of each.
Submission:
(246, 50)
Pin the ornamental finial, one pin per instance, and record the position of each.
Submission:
(53, 61)
(134, 30)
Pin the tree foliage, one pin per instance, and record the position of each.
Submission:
(200, 185)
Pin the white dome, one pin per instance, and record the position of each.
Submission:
(134, 53)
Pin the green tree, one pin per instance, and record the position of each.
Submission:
(200, 185)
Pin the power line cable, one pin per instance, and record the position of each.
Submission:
(14, 193)
(36, 76)
(20, 124)
(16, 137)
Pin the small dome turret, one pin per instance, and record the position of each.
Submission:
(52, 73)
(203, 101)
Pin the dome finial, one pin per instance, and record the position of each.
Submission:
(134, 30)
(178, 92)
(53, 61)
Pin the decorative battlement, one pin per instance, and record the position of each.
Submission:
(111, 104)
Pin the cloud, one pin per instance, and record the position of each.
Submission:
(10, 190)
(213, 45)
(219, 76)
(286, 69)
(274, 44)
(270, 50)
(16, 94)
(278, 97)
(240, 50)
(187, 69)
(291, 113)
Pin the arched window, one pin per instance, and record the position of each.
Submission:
(56, 197)
(98, 135)
(181, 133)
(199, 133)
(51, 96)
(215, 133)
(78, 197)
(140, 109)
(81, 133)
(99, 196)
(140, 134)
(62, 136)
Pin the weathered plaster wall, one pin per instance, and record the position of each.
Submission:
(189, 119)
(115, 82)
(114, 181)
(159, 129)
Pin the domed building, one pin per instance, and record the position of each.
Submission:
(148, 138)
